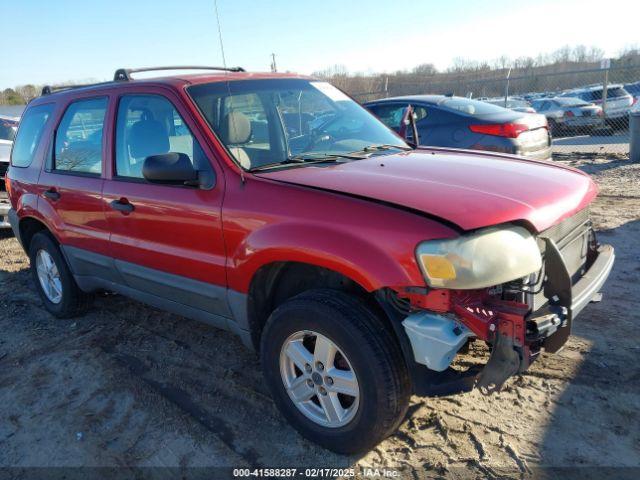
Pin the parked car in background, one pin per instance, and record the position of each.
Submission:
(8, 129)
(634, 90)
(458, 122)
(619, 101)
(569, 114)
(512, 103)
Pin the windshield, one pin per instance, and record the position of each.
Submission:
(263, 122)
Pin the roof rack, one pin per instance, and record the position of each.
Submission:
(124, 74)
(49, 89)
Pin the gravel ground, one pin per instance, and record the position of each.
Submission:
(127, 385)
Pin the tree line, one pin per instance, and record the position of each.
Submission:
(19, 95)
(561, 69)
(548, 71)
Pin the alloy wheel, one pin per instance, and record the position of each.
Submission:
(319, 379)
(49, 276)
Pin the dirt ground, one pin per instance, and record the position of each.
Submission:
(127, 385)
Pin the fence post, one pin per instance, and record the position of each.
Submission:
(386, 87)
(506, 88)
(605, 83)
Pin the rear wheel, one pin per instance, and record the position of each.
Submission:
(335, 370)
(54, 281)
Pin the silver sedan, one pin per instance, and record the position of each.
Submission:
(569, 114)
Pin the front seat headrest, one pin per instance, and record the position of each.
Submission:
(235, 128)
(148, 137)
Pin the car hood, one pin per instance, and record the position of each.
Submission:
(466, 188)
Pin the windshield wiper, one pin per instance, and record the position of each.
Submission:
(308, 159)
(384, 146)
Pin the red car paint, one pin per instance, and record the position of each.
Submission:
(468, 189)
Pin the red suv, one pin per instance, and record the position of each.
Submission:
(278, 208)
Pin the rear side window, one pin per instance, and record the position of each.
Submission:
(29, 134)
(616, 92)
(78, 141)
(470, 107)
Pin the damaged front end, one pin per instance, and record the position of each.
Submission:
(517, 318)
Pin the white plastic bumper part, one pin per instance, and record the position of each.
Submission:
(435, 339)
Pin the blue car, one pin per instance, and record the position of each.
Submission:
(458, 122)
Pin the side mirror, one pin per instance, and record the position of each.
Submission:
(170, 169)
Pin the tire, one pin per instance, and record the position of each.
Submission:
(72, 301)
(554, 128)
(369, 348)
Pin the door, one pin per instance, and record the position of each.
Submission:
(71, 182)
(166, 239)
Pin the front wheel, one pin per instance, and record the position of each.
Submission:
(335, 370)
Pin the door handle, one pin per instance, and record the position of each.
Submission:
(52, 194)
(122, 205)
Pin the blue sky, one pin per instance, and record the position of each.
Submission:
(52, 41)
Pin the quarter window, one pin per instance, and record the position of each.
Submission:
(150, 125)
(29, 134)
(78, 141)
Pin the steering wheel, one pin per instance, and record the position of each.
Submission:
(318, 137)
(316, 140)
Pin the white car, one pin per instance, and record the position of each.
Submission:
(8, 129)
(619, 101)
(566, 114)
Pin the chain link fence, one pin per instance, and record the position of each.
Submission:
(587, 110)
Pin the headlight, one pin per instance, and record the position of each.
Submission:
(483, 259)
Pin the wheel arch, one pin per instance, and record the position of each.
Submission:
(276, 282)
(28, 226)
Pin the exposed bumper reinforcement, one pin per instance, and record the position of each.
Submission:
(435, 343)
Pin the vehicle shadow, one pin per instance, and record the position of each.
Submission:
(593, 430)
(141, 387)
(592, 140)
(593, 168)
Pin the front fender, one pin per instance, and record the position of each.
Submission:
(340, 250)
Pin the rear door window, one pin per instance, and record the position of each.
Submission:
(29, 134)
(616, 92)
(78, 140)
